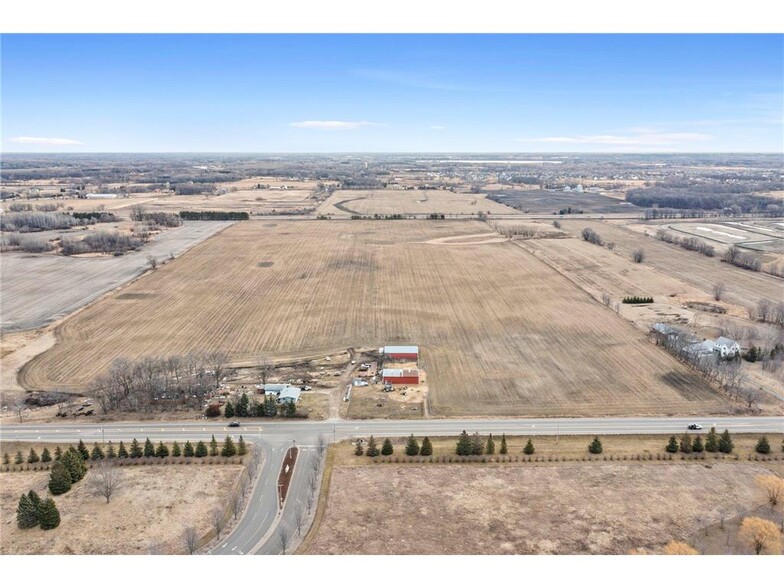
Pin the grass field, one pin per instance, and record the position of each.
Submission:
(501, 333)
(550, 201)
(370, 202)
(573, 508)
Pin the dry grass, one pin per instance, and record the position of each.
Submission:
(567, 508)
(149, 508)
(370, 202)
(501, 333)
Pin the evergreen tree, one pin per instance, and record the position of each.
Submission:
(201, 449)
(291, 409)
(242, 405)
(427, 447)
(697, 446)
(255, 409)
(213, 447)
(82, 448)
(58, 453)
(6, 458)
(161, 451)
(712, 441)
(463, 444)
(122, 452)
(18, 458)
(504, 449)
(228, 410)
(229, 449)
(59, 479)
(50, 516)
(490, 447)
(386, 448)
(412, 447)
(372, 450)
(242, 449)
(188, 449)
(73, 462)
(97, 452)
(725, 442)
(46, 457)
(672, 446)
(26, 514)
(149, 448)
(686, 443)
(762, 445)
(358, 448)
(270, 408)
(176, 451)
(35, 500)
(110, 452)
(529, 448)
(477, 447)
(595, 446)
(33, 456)
(136, 449)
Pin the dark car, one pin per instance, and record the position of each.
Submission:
(694, 427)
(234, 424)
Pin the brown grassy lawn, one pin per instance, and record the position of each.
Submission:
(154, 506)
(572, 508)
(501, 333)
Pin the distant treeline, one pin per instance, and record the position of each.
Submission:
(708, 197)
(101, 217)
(213, 215)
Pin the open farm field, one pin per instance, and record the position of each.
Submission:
(383, 202)
(38, 289)
(501, 333)
(144, 513)
(572, 508)
(551, 201)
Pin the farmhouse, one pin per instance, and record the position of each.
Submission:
(274, 389)
(726, 347)
(398, 352)
(398, 376)
(289, 395)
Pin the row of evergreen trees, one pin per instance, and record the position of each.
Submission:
(213, 215)
(33, 512)
(714, 443)
(250, 408)
(637, 300)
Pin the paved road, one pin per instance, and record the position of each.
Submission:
(257, 531)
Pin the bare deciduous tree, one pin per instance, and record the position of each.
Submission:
(265, 368)
(299, 519)
(773, 486)
(19, 407)
(217, 361)
(321, 447)
(108, 480)
(236, 504)
(218, 520)
(191, 539)
(284, 538)
(152, 261)
(760, 535)
(606, 298)
(638, 255)
(718, 290)
(154, 548)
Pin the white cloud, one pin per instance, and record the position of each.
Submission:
(437, 128)
(334, 125)
(43, 141)
(637, 139)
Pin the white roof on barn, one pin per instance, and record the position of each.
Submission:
(401, 349)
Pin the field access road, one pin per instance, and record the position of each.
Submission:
(257, 531)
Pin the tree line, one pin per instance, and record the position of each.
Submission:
(245, 407)
(689, 243)
(214, 215)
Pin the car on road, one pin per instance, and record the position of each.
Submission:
(234, 424)
(694, 427)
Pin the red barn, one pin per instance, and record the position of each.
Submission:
(401, 352)
(397, 376)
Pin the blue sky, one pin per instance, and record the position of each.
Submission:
(392, 93)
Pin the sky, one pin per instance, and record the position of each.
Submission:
(392, 93)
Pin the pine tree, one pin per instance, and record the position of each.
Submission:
(270, 408)
(149, 448)
(176, 450)
(229, 449)
(73, 462)
(110, 452)
(529, 448)
(725, 442)
(59, 479)
(291, 410)
(136, 449)
(358, 448)
(188, 449)
(242, 405)
(372, 450)
(412, 447)
(228, 410)
(686, 443)
(490, 447)
(97, 452)
(386, 448)
(50, 516)
(26, 513)
(595, 446)
(161, 451)
(6, 459)
(763, 446)
(697, 446)
(35, 500)
(33, 456)
(82, 448)
(58, 453)
(242, 449)
(46, 457)
(672, 446)
(122, 452)
(213, 447)
(427, 447)
(18, 458)
(476, 444)
(712, 441)
(201, 449)
(464, 445)
(504, 449)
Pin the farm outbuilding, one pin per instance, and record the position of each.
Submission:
(398, 376)
(407, 352)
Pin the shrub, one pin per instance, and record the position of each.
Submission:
(59, 479)
(596, 446)
(672, 445)
(49, 515)
(637, 300)
(427, 447)
(372, 450)
(591, 236)
(27, 513)
(386, 448)
(412, 447)
(529, 448)
(763, 446)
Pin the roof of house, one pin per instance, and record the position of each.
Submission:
(665, 329)
(290, 393)
(401, 349)
(725, 341)
(706, 346)
(275, 387)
